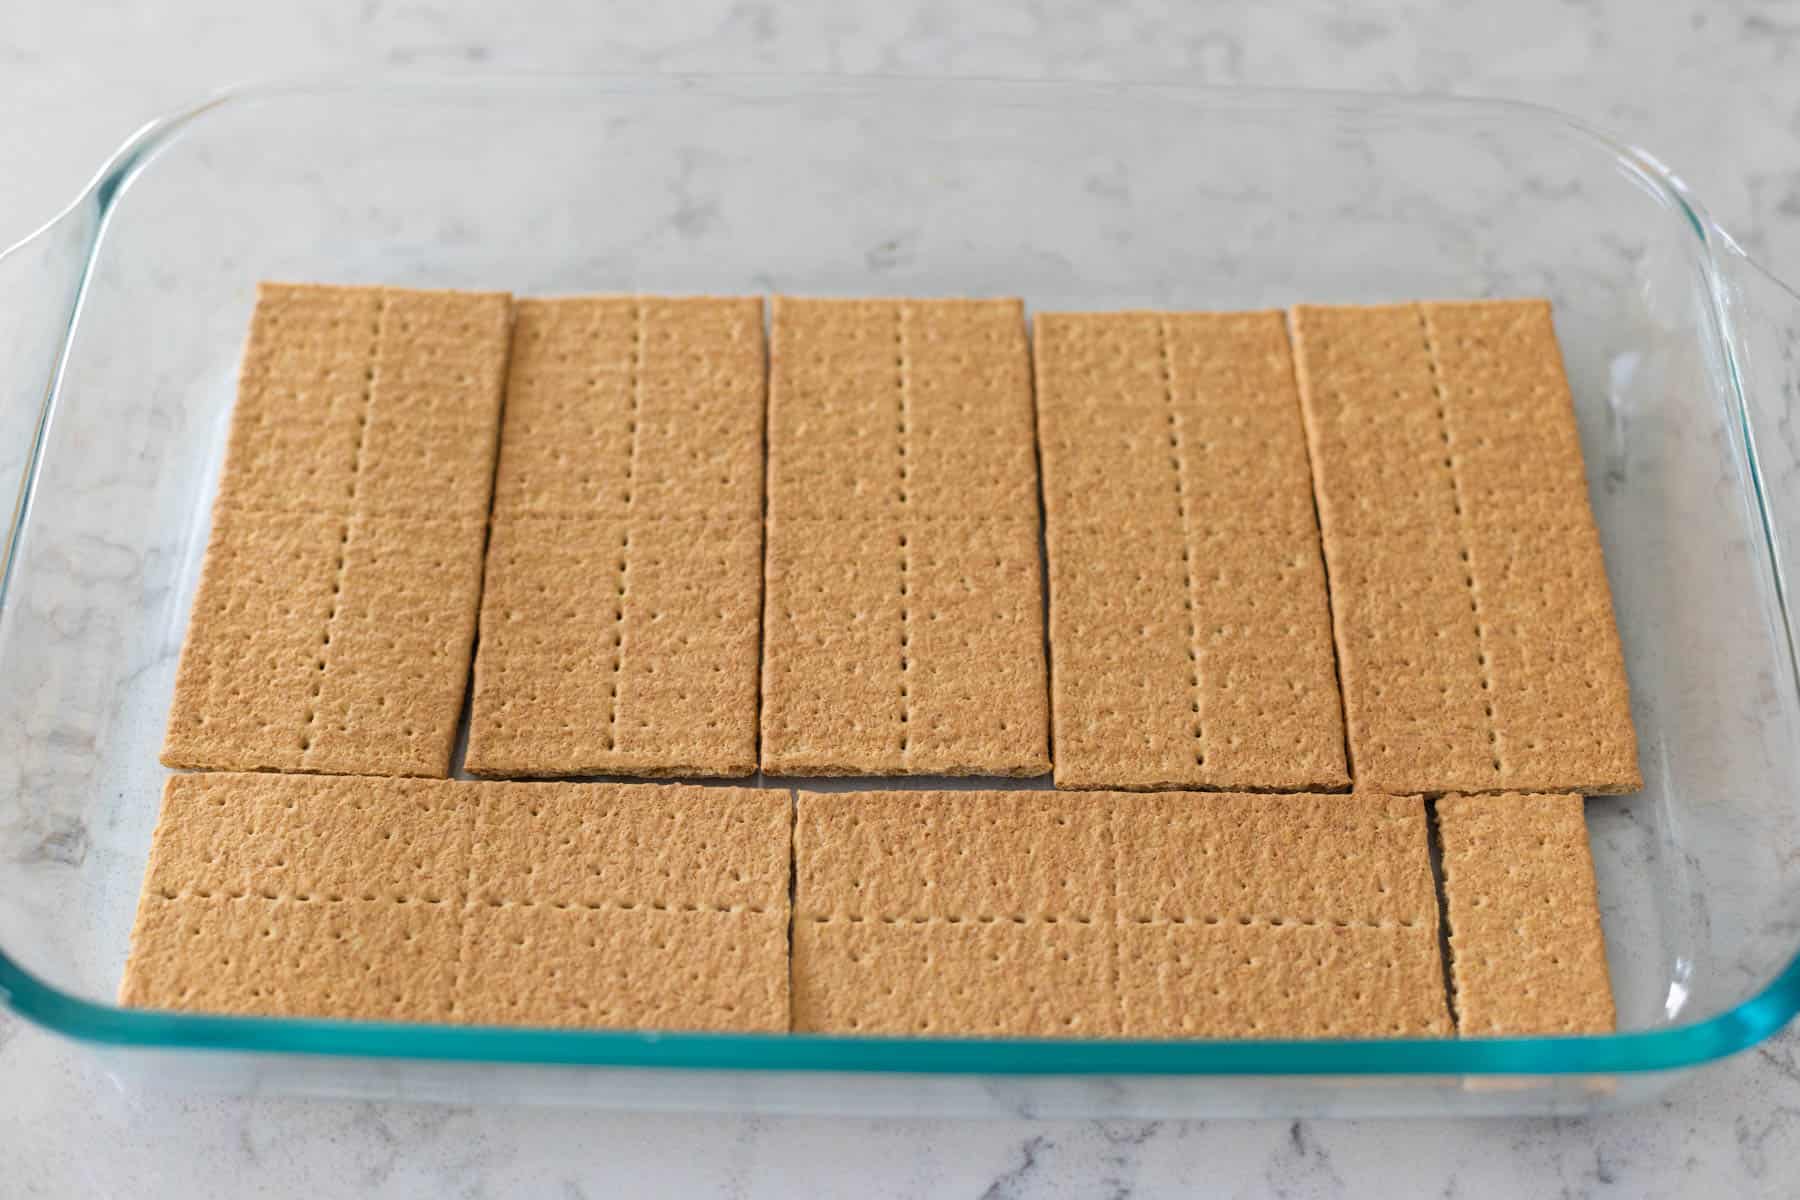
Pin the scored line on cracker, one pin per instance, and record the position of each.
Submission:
(624, 575)
(1178, 458)
(337, 580)
(903, 396)
(1456, 503)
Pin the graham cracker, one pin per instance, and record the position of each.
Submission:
(1190, 636)
(336, 609)
(613, 646)
(639, 405)
(287, 958)
(1476, 641)
(583, 967)
(971, 979)
(1260, 981)
(589, 905)
(659, 907)
(661, 847)
(619, 626)
(903, 628)
(1527, 954)
(328, 840)
(1276, 916)
(1115, 914)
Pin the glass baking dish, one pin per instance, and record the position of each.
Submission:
(121, 323)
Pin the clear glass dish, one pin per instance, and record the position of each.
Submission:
(121, 323)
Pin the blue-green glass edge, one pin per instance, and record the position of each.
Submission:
(1651, 1050)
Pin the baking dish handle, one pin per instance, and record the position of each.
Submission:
(41, 282)
(1761, 318)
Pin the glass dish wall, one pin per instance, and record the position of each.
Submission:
(124, 318)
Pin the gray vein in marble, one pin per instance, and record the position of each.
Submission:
(1014, 1183)
(65, 842)
(696, 210)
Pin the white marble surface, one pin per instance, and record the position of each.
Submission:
(1711, 88)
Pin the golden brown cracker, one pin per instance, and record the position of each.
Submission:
(1276, 916)
(952, 913)
(1201, 980)
(593, 905)
(391, 678)
(832, 671)
(619, 622)
(586, 968)
(1527, 954)
(1476, 641)
(618, 646)
(967, 854)
(368, 960)
(311, 838)
(661, 847)
(1357, 858)
(1189, 632)
(304, 394)
(928, 978)
(1115, 914)
(333, 623)
(902, 631)
(250, 662)
(635, 405)
(655, 907)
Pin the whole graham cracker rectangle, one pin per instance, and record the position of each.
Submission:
(1476, 642)
(1115, 914)
(589, 905)
(619, 626)
(903, 628)
(1527, 954)
(333, 623)
(1190, 636)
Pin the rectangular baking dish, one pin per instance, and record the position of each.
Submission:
(122, 320)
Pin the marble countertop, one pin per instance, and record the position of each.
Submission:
(1711, 88)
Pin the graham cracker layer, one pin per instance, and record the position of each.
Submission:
(1190, 636)
(1476, 642)
(332, 627)
(1114, 914)
(1527, 955)
(619, 626)
(589, 905)
(903, 629)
